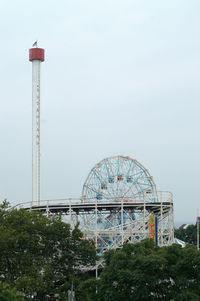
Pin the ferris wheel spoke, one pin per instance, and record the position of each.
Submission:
(134, 183)
(101, 192)
(113, 220)
(140, 193)
(88, 181)
(130, 165)
(133, 169)
(139, 178)
(149, 184)
(107, 183)
(114, 175)
(107, 168)
(123, 175)
(139, 189)
(110, 224)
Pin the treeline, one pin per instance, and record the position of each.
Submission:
(189, 234)
(41, 257)
(143, 271)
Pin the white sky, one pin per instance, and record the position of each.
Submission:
(120, 77)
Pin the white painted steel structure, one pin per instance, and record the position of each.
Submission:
(122, 229)
(36, 132)
(36, 56)
(130, 193)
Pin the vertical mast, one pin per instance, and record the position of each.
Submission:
(36, 56)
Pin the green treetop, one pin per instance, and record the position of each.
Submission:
(40, 256)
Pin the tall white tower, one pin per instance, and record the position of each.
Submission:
(36, 56)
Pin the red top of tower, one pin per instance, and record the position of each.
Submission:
(36, 54)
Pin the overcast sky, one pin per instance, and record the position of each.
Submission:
(120, 77)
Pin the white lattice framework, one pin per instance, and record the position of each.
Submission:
(111, 225)
(129, 191)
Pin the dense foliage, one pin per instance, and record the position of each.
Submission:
(146, 272)
(39, 256)
(189, 235)
(9, 294)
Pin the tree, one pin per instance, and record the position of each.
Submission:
(87, 289)
(146, 272)
(188, 235)
(9, 294)
(39, 255)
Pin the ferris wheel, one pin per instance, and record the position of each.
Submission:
(111, 186)
(119, 178)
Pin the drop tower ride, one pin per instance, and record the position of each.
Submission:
(36, 56)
